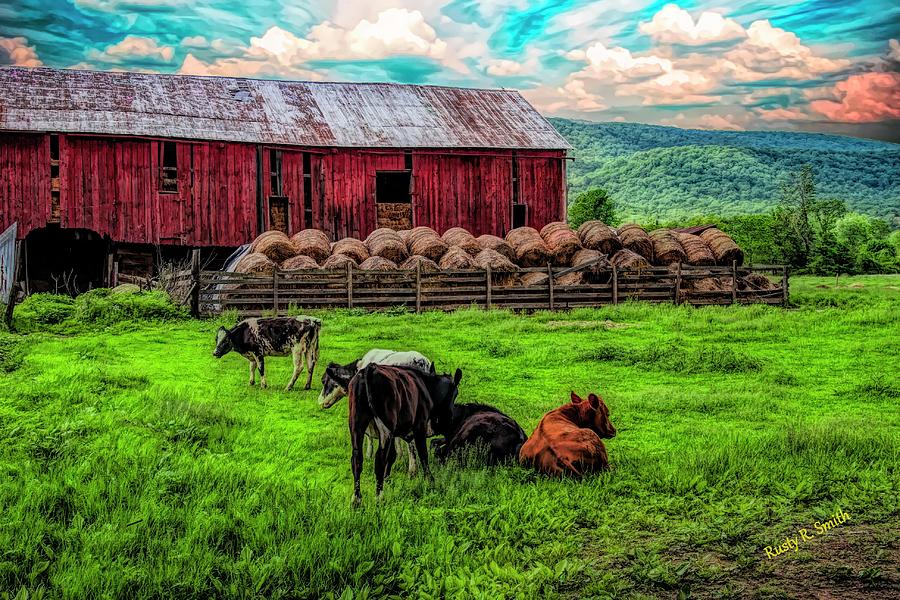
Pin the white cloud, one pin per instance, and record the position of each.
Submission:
(674, 25)
(132, 47)
(196, 41)
(18, 53)
(782, 114)
(242, 67)
(726, 121)
(501, 67)
(894, 50)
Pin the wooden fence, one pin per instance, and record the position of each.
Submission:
(212, 292)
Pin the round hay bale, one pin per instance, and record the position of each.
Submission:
(695, 249)
(385, 242)
(404, 235)
(351, 247)
(599, 273)
(531, 250)
(534, 278)
(313, 243)
(457, 258)
(378, 263)
(339, 261)
(497, 244)
(275, 245)
(597, 235)
(667, 249)
(626, 260)
(562, 241)
(425, 241)
(497, 262)
(634, 238)
(459, 237)
(756, 281)
(706, 285)
(426, 265)
(723, 248)
(299, 262)
(255, 262)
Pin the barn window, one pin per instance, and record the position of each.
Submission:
(168, 170)
(520, 214)
(393, 187)
(275, 172)
(307, 190)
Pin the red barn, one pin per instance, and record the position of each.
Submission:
(132, 163)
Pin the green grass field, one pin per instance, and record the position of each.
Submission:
(136, 465)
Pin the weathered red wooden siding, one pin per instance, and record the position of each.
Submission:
(542, 187)
(24, 181)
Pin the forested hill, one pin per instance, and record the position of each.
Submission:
(667, 172)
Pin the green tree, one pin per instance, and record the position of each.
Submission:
(594, 204)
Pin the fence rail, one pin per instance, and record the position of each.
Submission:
(254, 294)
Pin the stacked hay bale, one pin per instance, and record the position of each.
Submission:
(596, 235)
(313, 243)
(378, 263)
(756, 282)
(385, 242)
(723, 248)
(695, 249)
(425, 265)
(634, 238)
(531, 251)
(339, 261)
(424, 241)
(497, 244)
(503, 271)
(599, 273)
(534, 278)
(351, 247)
(667, 249)
(404, 235)
(626, 260)
(255, 262)
(456, 258)
(459, 237)
(299, 262)
(562, 242)
(275, 245)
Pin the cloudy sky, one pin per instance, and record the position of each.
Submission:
(828, 65)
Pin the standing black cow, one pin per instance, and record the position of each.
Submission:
(400, 401)
(471, 425)
(276, 336)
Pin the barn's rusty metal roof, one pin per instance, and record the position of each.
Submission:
(297, 113)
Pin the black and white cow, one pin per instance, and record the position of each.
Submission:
(275, 336)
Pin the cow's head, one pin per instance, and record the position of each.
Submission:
(445, 392)
(594, 415)
(223, 343)
(335, 381)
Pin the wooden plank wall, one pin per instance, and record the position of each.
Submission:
(24, 181)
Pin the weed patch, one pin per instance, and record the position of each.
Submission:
(675, 358)
(12, 352)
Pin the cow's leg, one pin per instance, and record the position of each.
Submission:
(422, 451)
(311, 360)
(385, 444)
(252, 370)
(358, 425)
(371, 436)
(391, 457)
(298, 367)
(262, 371)
(411, 457)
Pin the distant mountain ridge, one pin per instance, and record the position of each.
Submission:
(654, 171)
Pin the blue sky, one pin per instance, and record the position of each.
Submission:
(810, 64)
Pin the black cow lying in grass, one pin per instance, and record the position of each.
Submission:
(478, 425)
(400, 401)
(276, 336)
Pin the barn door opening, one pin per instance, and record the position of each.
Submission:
(65, 261)
(279, 217)
(520, 215)
(393, 199)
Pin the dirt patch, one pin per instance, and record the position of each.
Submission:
(856, 285)
(588, 325)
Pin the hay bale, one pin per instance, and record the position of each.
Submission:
(457, 258)
(378, 263)
(385, 242)
(255, 262)
(497, 262)
(667, 249)
(299, 262)
(404, 235)
(425, 241)
(562, 241)
(531, 250)
(339, 261)
(313, 243)
(634, 238)
(757, 282)
(597, 235)
(706, 285)
(459, 237)
(723, 248)
(695, 249)
(599, 273)
(626, 260)
(351, 247)
(534, 278)
(275, 245)
(425, 265)
(497, 244)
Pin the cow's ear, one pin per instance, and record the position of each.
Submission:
(457, 376)
(576, 398)
(594, 400)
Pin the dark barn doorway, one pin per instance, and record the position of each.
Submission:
(64, 261)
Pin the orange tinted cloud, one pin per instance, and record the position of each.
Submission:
(863, 98)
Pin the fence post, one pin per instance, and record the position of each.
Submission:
(733, 281)
(487, 288)
(275, 290)
(7, 318)
(550, 283)
(195, 280)
(615, 282)
(418, 287)
(784, 285)
(349, 286)
(678, 285)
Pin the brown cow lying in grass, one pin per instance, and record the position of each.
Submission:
(567, 440)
